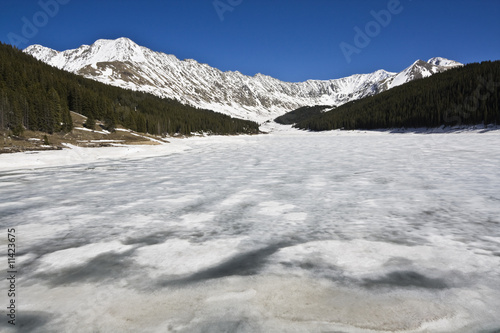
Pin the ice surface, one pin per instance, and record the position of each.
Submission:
(74, 155)
(291, 231)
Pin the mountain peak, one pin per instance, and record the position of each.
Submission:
(42, 53)
(421, 69)
(37, 48)
(119, 42)
(420, 62)
(439, 61)
(120, 49)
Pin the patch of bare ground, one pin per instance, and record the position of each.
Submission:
(79, 136)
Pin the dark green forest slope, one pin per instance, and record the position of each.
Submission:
(301, 114)
(467, 95)
(35, 96)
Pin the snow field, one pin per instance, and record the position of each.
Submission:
(291, 231)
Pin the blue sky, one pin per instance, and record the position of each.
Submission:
(293, 40)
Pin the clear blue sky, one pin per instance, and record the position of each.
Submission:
(293, 40)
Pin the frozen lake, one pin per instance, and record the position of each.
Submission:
(330, 232)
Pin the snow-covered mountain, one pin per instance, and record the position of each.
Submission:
(123, 63)
(419, 70)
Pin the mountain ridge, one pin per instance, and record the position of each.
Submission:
(440, 100)
(122, 62)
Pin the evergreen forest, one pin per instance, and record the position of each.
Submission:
(301, 114)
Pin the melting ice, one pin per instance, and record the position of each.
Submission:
(332, 232)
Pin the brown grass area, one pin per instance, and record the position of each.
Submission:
(30, 140)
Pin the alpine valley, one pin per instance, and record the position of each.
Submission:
(125, 64)
(188, 220)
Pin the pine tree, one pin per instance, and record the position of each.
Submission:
(90, 122)
(54, 104)
(110, 121)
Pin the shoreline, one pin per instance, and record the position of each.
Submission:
(74, 155)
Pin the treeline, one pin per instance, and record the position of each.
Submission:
(466, 95)
(301, 114)
(36, 96)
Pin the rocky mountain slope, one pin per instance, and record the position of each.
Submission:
(123, 63)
